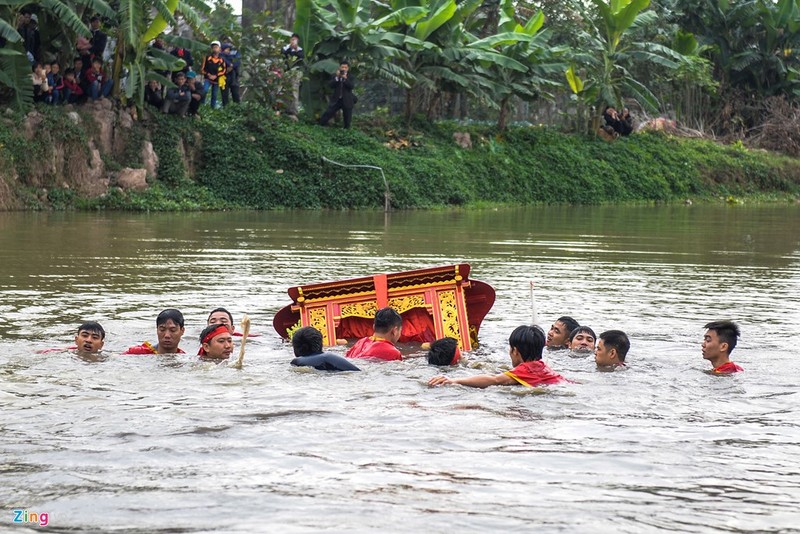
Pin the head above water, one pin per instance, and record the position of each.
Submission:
(170, 314)
(612, 348)
(444, 351)
(582, 339)
(558, 335)
(90, 337)
(307, 341)
(528, 342)
(727, 332)
(221, 316)
(216, 342)
(388, 324)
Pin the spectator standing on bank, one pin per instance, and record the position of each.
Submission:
(184, 54)
(28, 29)
(294, 55)
(233, 61)
(342, 98)
(213, 68)
(98, 40)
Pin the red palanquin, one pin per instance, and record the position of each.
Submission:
(434, 303)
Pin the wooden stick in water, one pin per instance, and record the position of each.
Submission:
(245, 331)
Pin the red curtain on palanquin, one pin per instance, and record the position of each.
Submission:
(417, 326)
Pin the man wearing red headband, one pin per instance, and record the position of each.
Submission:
(216, 342)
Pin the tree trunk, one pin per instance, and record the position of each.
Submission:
(501, 120)
(409, 104)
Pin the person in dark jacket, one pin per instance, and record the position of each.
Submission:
(178, 98)
(307, 346)
(98, 40)
(29, 31)
(342, 98)
(233, 62)
(184, 54)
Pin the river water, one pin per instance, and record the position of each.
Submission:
(168, 444)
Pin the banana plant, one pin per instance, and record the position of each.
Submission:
(608, 53)
(60, 20)
(135, 53)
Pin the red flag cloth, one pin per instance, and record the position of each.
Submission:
(370, 347)
(727, 369)
(145, 348)
(535, 373)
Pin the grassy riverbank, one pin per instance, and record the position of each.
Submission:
(248, 158)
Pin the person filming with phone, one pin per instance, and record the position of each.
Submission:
(342, 98)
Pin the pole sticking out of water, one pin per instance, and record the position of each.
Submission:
(387, 205)
(534, 315)
(245, 332)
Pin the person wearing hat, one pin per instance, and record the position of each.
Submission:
(212, 70)
(233, 60)
(29, 31)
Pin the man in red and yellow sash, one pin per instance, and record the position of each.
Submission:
(718, 343)
(525, 348)
(380, 345)
(169, 329)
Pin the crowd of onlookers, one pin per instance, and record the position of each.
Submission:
(87, 78)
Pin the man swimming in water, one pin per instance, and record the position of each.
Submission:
(612, 348)
(444, 351)
(216, 342)
(718, 343)
(221, 316)
(582, 340)
(169, 329)
(525, 348)
(307, 346)
(387, 328)
(90, 337)
(558, 335)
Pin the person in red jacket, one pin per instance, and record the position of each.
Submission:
(718, 343)
(526, 344)
(97, 80)
(169, 329)
(73, 92)
(387, 328)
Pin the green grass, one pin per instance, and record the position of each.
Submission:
(248, 158)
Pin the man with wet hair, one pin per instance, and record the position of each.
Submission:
(307, 346)
(221, 316)
(169, 329)
(558, 335)
(718, 343)
(387, 329)
(525, 348)
(90, 337)
(612, 348)
(444, 351)
(582, 339)
(216, 342)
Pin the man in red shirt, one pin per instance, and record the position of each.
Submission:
(169, 329)
(525, 348)
(380, 345)
(718, 343)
